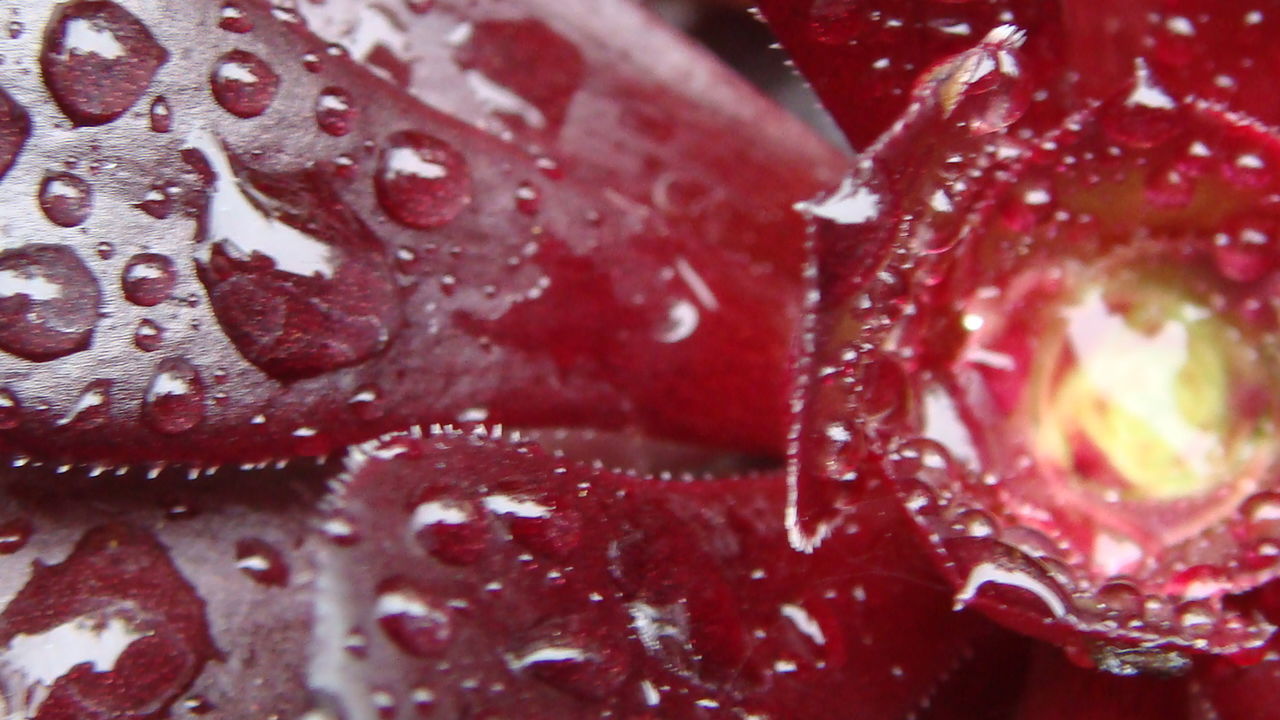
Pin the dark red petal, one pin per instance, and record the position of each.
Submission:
(1240, 693)
(498, 578)
(326, 286)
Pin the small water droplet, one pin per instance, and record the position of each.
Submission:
(340, 530)
(148, 279)
(1146, 117)
(312, 63)
(1121, 598)
(198, 705)
(234, 19)
(174, 399)
(566, 654)
(16, 28)
(48, 302)
(244, 84)
(98, 60)
(419, 7)
(450, 528)
(15, 128)
(335, 111)
(10, 409)
(528, 199)
(157, 203)
(414, 624)
(367, 403)
(66, 199)
(924, 460)
(161, 116)
(148, 336)
(1245, 250)
(14, 534)
(1195, 619)
(262, 562)
(421, 181)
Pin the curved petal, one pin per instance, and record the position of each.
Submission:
(504, 580)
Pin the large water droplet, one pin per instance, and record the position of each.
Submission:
(299, 284)
(97, 60)
(174, 401)
(335, 111)
(66, 199)
(244, 84)
(114, 631)
(986, 89)
(422, 181)
(148, 279)
(413, 623)
(523, 71)
(48, 302)
(233, 18)
(261, 561)
(15, 128)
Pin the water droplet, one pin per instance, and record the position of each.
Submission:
(298, 283)
(986, 89)
(567, 655)
(15, 128)
(924, 460)
(198, 705)
(340, 530)
(16, 28)
(367, 403)
(523, 71)
(148, 279)
(66, 199)
(1245, 250)
(1195, 619)
(234, 19)
(419, 7)
(414, 624)
(48, 302)
(335, 111)
(262, 562)
(312, 63)
(975, 523)
(384, 703)
(244, 84)
(174, 400)
(422, 181)
(1121, 598)
(115, 610)
(1146, 117)
(14, 534)
(10, 410)
(157, 203)
(92, 407)
(161, 116)
(528, 199)
(450, 528)
(97, 60)
(882, 384)
(148, 336)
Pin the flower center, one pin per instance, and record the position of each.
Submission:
(1140, 391)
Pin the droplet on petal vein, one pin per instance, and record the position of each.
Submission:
(48, 302)
(97, 60)
(422, 181)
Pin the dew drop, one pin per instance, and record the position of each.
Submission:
(48, 302)
(340, 530)
(66, 199)
(115, 610)
(335, 111)
(233, 18)
(1195, 619)
(312, 63)
(262, 562)
(1121, 598)
(528, 199)
(1245, 250)
(565, 655)
(157, 203)
(148, 279)
(419, 7)
(161, 116)
(14, 534)
(92, 407)
(10, 409)
(421, 181)
(15, 128)
(148, 336)
(298, 283)
(1147, 117)
(413, 623)
(98, 60)
(450, 529)
(367, 404)
(986, 89)
(924, 460)
(174, 400)
(243, 83)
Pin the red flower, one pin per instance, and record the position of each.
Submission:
(1031, 471)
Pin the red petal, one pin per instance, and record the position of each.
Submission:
(372, 261)
(501, 579)
(1058, 690)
